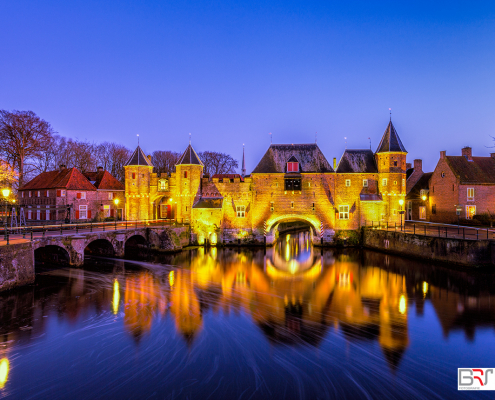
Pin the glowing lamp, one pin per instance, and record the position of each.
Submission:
(401, 202)
(423, 197)
(6, 192)
(116, 201)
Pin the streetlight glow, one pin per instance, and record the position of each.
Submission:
(6, 192)
(423, 197)
(401, 202)
(116, 201)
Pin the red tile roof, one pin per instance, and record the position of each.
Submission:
(68, 178)
(104, 180)
(481, 170)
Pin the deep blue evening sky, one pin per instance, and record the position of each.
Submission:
(233, 72)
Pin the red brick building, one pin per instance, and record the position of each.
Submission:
(463, 182)
(69, 194)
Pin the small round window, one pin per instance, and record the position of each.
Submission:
(443, 174)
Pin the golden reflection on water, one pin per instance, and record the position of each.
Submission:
(4, 372)
(116, 297)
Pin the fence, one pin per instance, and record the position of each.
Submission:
(435, 230)
(84, 227)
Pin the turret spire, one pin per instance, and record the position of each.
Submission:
(243, 172)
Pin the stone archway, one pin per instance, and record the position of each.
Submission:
(101, 247)
(51, 254)
(163, 207)
(272, 225)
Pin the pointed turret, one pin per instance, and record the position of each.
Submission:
(139, 158)
(189, 157)
(390, 141)
(243, 172)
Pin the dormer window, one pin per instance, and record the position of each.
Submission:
(292, 167)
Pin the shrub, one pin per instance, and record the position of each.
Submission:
(484, 219)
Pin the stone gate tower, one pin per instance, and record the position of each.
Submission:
(188, 174)
(138, 172)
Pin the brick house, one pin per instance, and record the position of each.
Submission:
(67, 194)
(462, 181)
(110, 193)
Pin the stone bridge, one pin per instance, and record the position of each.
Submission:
(17, 260)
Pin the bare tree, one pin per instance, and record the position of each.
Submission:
(23, 135)
(164, 161)
(218, 163)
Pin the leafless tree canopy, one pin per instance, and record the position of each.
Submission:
(218, 163)
(164, 161)
(23, 137)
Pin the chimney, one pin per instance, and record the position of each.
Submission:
(408, 165)
(418, 165)
(99, 169)
(468, 153)
(492, 155)
(61, 167)
(334, 163)
(149, 157)
(443, 154)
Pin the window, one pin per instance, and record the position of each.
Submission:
(47, 193)
(81, 195)
(38, 213)
(276, 184)
(163, 184)
(343, 212)
(292, 167)
(365, 182)
(47, 213)
(106, 211)
(83, 212)
(185, 174)
(403, 182)
(470, 212)
(22, 194)
(292, 204)
(29, 193)
(395, 182)
(422, 212)
(395, 163)
(384, 182)
(309, 184)
(110, 196)
(30, 213)
(39, 194)
(292, 184)
(423, 192)
(442, 174)
(348, 182)
(313, 207)
(241, 211)
(470, 194)
(434, 209)
(62, 193)
(271, 206)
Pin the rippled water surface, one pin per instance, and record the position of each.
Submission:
(293, 323)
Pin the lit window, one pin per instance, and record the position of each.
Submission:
(110, 196)
(47, 193)
(39, 194)
(470, 212)
(62, 193)
(365, 182)
(423, 192)
(292, 167)
(422, 212)
(30, 194)
(384, 182)
(470, 194)
(241, 211)
(292, 184)
(81, 195)
(343, 212)
(163, 184)
(83, 212)
(348, 182)
(271, 206)
(106, 211)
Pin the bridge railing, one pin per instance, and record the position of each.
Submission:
(31, 232)
(434, 229)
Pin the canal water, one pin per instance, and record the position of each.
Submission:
(291, 323)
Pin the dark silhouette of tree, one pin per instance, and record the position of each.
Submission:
(164, 161)
(23, 137)
(218, 163)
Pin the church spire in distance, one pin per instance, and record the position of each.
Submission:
(243, 172)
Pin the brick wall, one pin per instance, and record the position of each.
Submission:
(443, 193)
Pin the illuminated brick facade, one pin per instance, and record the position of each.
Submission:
(290, 183)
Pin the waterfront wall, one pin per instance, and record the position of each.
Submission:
(16, 265)
(457, 251)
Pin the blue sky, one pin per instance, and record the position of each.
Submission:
(231, 72)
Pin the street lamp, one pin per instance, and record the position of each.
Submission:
(116, 201)
(5, 193)
(401, 212)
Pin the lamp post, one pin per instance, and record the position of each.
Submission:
(116, 201)
(5, 193)
(401, 212)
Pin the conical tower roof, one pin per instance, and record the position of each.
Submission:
(189, 157)
(390, 141)
(139, 158)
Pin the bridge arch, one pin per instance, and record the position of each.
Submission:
(135, 245)
(51, 254)
(100, 247)
(273, 222)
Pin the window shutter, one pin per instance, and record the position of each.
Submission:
(77, 214)
(79, 195)
(112, 212)
(337, 216)
(89, 214)
(59, 193)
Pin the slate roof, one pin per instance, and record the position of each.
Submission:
(390, 141)
(209, 202)
(422, 183)
(361, 161)
(189, 157)
(139, 158)
(68, 178)
(104, 180)
(371, 197)
(309, 156)
(481, 170)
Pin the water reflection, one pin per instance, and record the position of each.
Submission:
(294, 296)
